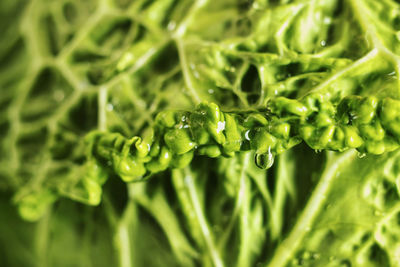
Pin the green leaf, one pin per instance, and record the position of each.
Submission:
(131, 132)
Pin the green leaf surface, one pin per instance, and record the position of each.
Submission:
(191, 98)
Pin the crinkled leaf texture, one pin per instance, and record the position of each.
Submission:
(70, 67)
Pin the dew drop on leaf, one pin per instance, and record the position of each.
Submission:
(264, 161)
(171, 25)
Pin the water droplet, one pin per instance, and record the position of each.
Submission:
(171, 25)
(264, 161)
(361, 155)
(256, 5)
(109, 107)
(323, 43)
(327, 20)
(210, 91)
(58, 95)
(221, 126)
(246, 135)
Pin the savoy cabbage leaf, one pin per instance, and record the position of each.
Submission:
(97, 94)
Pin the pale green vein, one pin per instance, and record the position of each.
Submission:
(288, 247)
(186, 73)
(356, 64)
(205, 229)
(238, 201)
(102, 102)
(361, 14)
